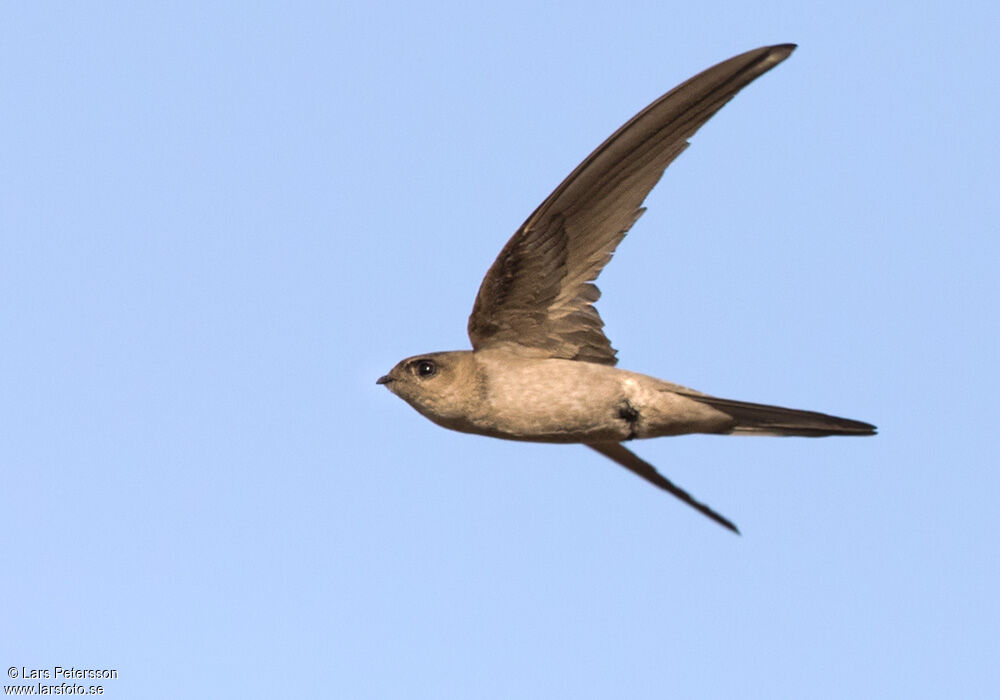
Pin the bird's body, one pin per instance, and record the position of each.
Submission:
(555, 400)
(541, 368)
(569, 401)
(504, 393)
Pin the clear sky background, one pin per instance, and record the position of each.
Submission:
(221, 222)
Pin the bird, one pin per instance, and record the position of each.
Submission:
(541, 368)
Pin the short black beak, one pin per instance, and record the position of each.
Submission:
(384, 379)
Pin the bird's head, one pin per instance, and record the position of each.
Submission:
(437, 384)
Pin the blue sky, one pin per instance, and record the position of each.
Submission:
(221, 222)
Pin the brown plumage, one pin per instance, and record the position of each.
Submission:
(539, 291)
(541, 368)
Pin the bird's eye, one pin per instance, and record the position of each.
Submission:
(425, 368)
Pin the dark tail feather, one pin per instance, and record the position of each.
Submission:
(758, 419)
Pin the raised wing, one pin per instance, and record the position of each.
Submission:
(539, 292)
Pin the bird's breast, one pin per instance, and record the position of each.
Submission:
(549, 400)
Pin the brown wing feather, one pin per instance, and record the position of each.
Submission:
(539, 292)
(631, 461)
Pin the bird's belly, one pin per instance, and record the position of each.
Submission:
(555, 422)
(569, 401)
(554, 401)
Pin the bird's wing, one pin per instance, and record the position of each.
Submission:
(647, 471)
(539, 292)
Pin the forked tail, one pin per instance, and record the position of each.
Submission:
(759, 419)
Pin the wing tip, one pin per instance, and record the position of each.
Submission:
(773, 55)
(783, 50)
